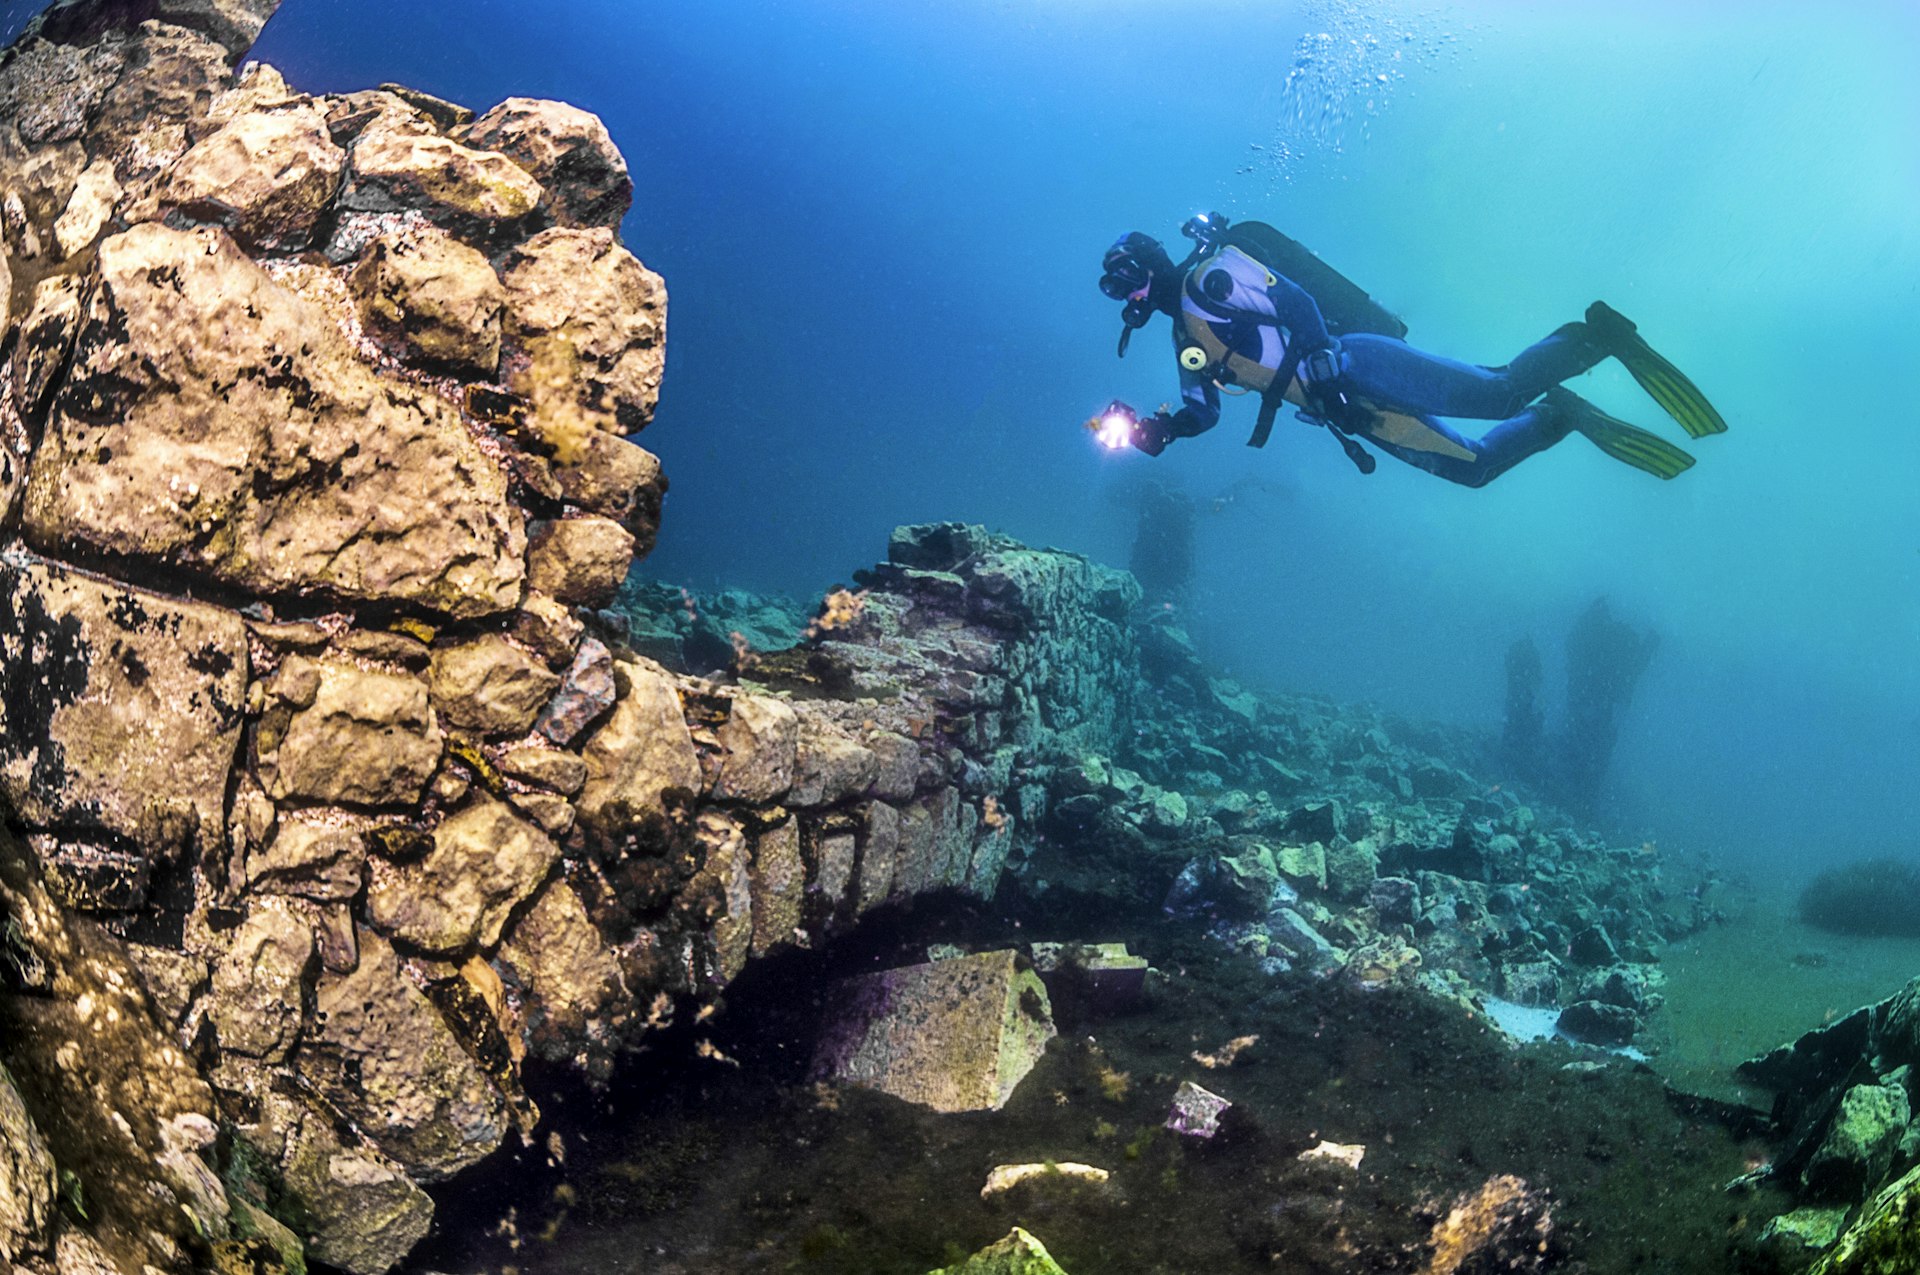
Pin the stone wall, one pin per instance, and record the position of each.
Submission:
(316, 467)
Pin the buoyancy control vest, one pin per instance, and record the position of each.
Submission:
(1344, 306)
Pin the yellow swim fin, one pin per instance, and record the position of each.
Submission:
(1677, 396)
(1628, 444)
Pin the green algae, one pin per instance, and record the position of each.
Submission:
(1018, 1254)
(1885, 1240)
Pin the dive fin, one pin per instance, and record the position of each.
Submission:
(1628, 444)
(1677, 396)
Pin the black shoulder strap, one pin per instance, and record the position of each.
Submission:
(1274, 396)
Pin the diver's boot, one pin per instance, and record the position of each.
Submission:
(1628, 444)
(1679, 397)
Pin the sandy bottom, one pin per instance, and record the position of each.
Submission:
(1740, 989)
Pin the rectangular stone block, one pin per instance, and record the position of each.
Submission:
(879, 854)
(953, 1035)
(779, 886)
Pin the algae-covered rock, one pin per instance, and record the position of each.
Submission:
(46, 335)
(431, 298)
(574, 996)
(1859, 1145)
(315, 855)
(724, 884)
(1304, 866)
(954, 1035)
(587, 325)
(581, 559)
(553, 768)
(1020, 1253)
(489, 686)
(1244, 883)
(1805, 1230)
(1598, 1023)
(1352, 867)
(123, 708)
(27, 1178)
(88, 209)
(259, 983)
(400, 161)
(340, 733)
(779, 885)
(217, 422)
(122, 1107)
(265, 176)
(357, 1209)
(567, 150)
(829, 766)
(484, 862)
(1885, 1238)
(759, 740)
(383, 1055)
(639, 756)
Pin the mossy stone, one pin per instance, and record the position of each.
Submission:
(1020, 1253)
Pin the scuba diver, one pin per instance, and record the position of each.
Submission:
(1255, 312)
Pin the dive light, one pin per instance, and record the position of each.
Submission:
(1206, 229)
(1114, 426)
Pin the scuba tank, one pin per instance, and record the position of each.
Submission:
(1343, 303)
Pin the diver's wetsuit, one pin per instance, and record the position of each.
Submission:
(1255, 314)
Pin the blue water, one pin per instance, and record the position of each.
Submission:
(880, 226)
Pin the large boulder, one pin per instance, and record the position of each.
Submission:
(758, 739)
(580, 560)
(259, 983)
(432, 299)
(1859, 1145)
(384, 1056)
(586, 324)
(233, 24)
(953, 1035)
(341, 733)
(641, 758)
(490, 686)
(573, 997)
(400, 161)
(358, 1209)
(265, 176)
(216, 422)
(88, 209)
(123, 708)
(567, 150)
(484, 862)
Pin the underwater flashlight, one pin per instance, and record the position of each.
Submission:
(1205, 229)
(1114, 426)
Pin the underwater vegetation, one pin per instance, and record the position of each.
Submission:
(1878, 896)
